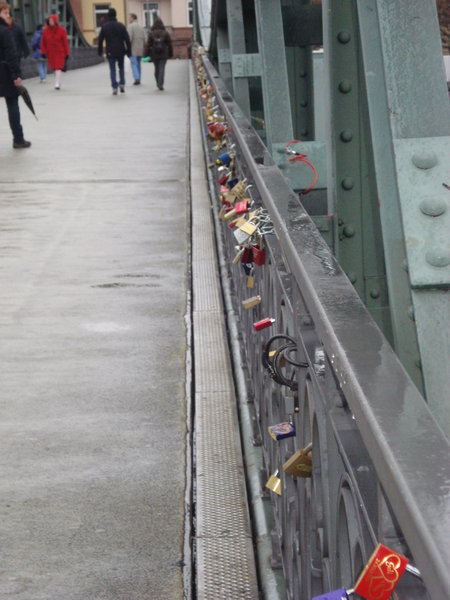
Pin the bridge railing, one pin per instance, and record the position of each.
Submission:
(380, 469)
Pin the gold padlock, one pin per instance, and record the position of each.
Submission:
(251, 302)
(248, 227)
(237, 258)
(300, 463)
(274, 483)
(250, 282)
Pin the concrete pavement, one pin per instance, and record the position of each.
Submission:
(93, 276)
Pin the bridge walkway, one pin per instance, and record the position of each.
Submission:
(95, 404)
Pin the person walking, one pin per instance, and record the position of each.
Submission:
(118, 44)
(137, 39)
(19, 38)
(36, 54)
(55, 46)
(159, 48)
(10, 78)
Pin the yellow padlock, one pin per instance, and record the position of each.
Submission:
(274, 483)
(251, 302)
(300, 463)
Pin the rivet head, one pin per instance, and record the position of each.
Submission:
(375, 293)
(347, 183)
(304, 103)
(346, 135)
(424, 160)
(344, 36)
(349, 231)
(304, 132)
(302, 74)
(433, 207)
(405, 265)
(438, 257)
(352, 277)
(411, 313)
(345, 86)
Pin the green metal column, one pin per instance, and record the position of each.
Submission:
(300, 74)
(236, 39)
(352, 195)
(275, 86)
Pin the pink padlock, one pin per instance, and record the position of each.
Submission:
(241, 207)
(263, 324)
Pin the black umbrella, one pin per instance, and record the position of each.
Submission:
(26, 98)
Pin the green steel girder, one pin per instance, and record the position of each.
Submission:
(29, 13)
(275, 87)
(351, 186)
(387, 124)
(410, 126)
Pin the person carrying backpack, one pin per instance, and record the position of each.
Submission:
(159, 48)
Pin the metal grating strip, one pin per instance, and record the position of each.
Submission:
(225, 562)
(212, 365)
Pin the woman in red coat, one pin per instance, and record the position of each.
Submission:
(55, 46)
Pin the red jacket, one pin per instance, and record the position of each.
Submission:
(55, 44)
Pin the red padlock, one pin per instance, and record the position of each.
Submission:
(241, 207)
(259, 255)
(223, 180)
(263, 324)
(247, 256)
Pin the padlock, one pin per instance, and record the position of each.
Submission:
(238, 222)
(250, 282)
(259, 255)
(223, 179)
(224, 159)
(300, 463)
(237, 258)
(239, 189)
(251, 302)
(241, 207)
(232, 182)
(263, 324)
(248, 227)
(229, 214)
(246, 257)
(274, 483)
(283, 430)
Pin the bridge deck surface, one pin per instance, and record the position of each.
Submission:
(93, 279)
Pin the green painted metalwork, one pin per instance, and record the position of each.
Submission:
(275, 87)
(410, 124)
(299, 64)
(351, 187)
(236, 40)
(29, 14)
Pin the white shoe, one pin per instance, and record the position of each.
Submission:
(56, 86)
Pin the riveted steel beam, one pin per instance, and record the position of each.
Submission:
(277, 106)
(351, 188)
(236, 39)
(410, 124)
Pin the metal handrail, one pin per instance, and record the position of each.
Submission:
(408, 448)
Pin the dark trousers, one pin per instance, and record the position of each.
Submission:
(12, 104)
(112, 68)
(160, 65)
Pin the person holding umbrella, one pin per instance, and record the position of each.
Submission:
(55, 46)
(10, 78)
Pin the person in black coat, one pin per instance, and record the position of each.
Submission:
(159, 48)
(10, 78)
(20, 40)
(118, 44)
